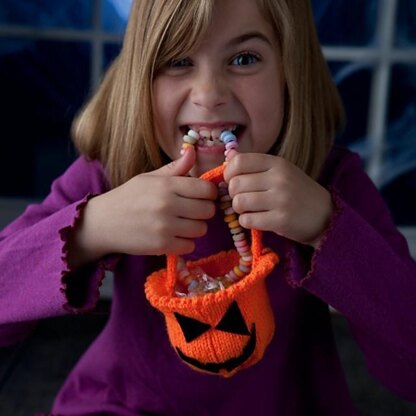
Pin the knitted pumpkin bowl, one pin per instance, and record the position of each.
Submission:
(222, 332)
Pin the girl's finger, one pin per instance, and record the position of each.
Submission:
(258, 220)
(195, 209)
(244, 163)
(195, 188)
(181, 246)
(249, 182)
(252, 202)
(187, 228)
(179, 167)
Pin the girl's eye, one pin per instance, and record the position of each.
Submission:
(245, 59)
(179, 63)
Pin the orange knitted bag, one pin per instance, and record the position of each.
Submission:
(222, 332)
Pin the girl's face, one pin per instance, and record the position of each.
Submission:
(233, 78)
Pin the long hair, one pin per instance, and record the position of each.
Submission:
(313, 111)
(116, 125)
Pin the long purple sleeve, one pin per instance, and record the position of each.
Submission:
(364, 270)
(32, 252)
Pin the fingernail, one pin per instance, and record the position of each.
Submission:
(231, 154)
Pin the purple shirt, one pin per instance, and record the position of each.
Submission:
(363, 269)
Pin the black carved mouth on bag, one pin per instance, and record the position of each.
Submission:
(228, 365)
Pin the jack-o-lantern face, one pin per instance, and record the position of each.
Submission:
(231, 323)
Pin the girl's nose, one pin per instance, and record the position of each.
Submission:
(209, 90)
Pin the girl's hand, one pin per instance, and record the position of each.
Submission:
(271, 194)
(159, 212)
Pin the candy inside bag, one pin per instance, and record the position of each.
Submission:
(198, 283)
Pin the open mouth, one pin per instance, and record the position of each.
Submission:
(210, 137)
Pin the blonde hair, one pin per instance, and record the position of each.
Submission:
(116, 125)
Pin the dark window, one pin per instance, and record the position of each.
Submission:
(62, 14)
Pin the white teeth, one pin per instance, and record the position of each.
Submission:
(205, 133)
(215, 134)
(204, 136)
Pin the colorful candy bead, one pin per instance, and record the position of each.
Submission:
(193, 134)
(189, 139)
(230, 218)
(239, 237)
(234, 224)
(225, 204)
(233, 276)
(229, 211)
(244, 268)
(231, 145)
(238, 271)
(226, 137)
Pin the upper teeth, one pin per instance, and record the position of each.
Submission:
(207, 133)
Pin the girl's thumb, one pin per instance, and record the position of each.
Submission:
(179, 167)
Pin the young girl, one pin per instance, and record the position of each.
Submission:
(252, 66)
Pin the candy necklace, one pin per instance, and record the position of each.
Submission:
(196, 281)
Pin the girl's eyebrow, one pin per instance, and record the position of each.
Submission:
(248, 36)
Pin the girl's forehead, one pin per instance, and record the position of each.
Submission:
(235, 20)
(236, 12)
